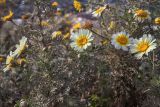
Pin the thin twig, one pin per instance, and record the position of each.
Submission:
(153, 67)
(97, 34)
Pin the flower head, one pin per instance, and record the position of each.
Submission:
(76, 26)
(121, 40)
(112, 25)
(77, 5)
(10, 58)
(21, 61)
(8, 67)
(8, 17)
(99, 11)
(55, 4)
(9, 61)
(55, 34)
(143, 46)
(141, 15)
(45, 23)
(21, 47)
(81, 40)
(157, 21)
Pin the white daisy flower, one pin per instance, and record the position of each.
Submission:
(10, 58)
(7, 68)
(9, 61)
(121, 40)
(141, 15)
(21, 46)
(143, 46)
(81, 40)
(99, 11)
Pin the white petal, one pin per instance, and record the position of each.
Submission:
(139, 55)
(124, 48)
(117, 46)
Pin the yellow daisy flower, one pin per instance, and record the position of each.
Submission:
(21, 61)
(7, 68)
(141, 15)
(81, 40)
(157, 21)
(55, 34)
(21, 47)
(55, 4)
(45, 23)
(10, 58)
(9, 61)
(121, 40)
(112, 25)
(77, 5)
(8, 17)
(76, 26)
(143, 46)
(99, 11)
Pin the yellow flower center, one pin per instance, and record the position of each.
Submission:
(157, 21)
(82, 40)
(143, 46)
(54, 4)
(8, 17)
(21, 61)
(99, 10)
(122, 39)
(56, 34)
(141, 13)
(77, 5)
(21, 49)
(112, 25)
(45, 24)
(77, 26)
(10, 59)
